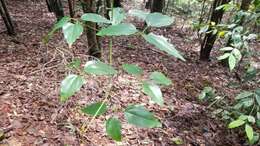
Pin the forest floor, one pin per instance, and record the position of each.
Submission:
(31, 72)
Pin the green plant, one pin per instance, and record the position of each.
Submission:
(135, 114)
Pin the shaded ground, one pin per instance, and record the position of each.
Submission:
(30, 74)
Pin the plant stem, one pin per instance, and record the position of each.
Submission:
(86, 126)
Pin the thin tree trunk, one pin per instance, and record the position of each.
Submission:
(6, 17)
(157, 5)
(56, 7)
(210, 38)
(71, 8)
(89, 6)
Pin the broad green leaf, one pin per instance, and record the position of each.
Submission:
(160, 78)
(72, 32)
(99, 68)
(247, 102)
(231, 62)
(162, 43)
(244, 94)
(243, 117)
(226, 49)
(249, 132)
(237, 54)
(257, 96)
(118, 16)
(69, 86)
(132, 69)
(236, 123)
(153, 91)
(158, 20)
(118, 30)
(94, 18)
(57, 26)
(113, 129)
(139, 116)
(226, 55)
(95, 109)
(138, 13)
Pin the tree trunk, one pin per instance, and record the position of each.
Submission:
(56, 7)
(89, 6)
(6, 17)
(117, 3)
(148, 4)
(71, 7)
(209, 39)
(157, 5)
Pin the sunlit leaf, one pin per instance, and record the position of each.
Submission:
(118, 30)
(153, 91)
(95, 109)
(158, 20)
(231, 61)
(236, 123)
(99, 68)
(162, 43)
(249, 132)
(138, 13)
(113, 129)
(70, 85)
(93, 17)
(226, 55)
(160, 78)
(139, 116)
(118, 16)
(132, 69)
(72, 32)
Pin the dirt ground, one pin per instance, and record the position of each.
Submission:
(31, 72)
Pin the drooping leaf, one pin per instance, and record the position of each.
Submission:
(237, 54)
(160, 78)
(57, 26)
(72, 32)
(139, 116)
(132, 69)
(226, 55)
(153, 91)
(226, 49)
(118, 30)
(247, 102)
(95, 109)
(244, 94)
(231, 62)
(70, 85)
(93, 17)
(162, 43)
(99, 68)
(138, 13)
(236, 123)
(113, 129)
(158, 20)
(118, 16)
(249, 132)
